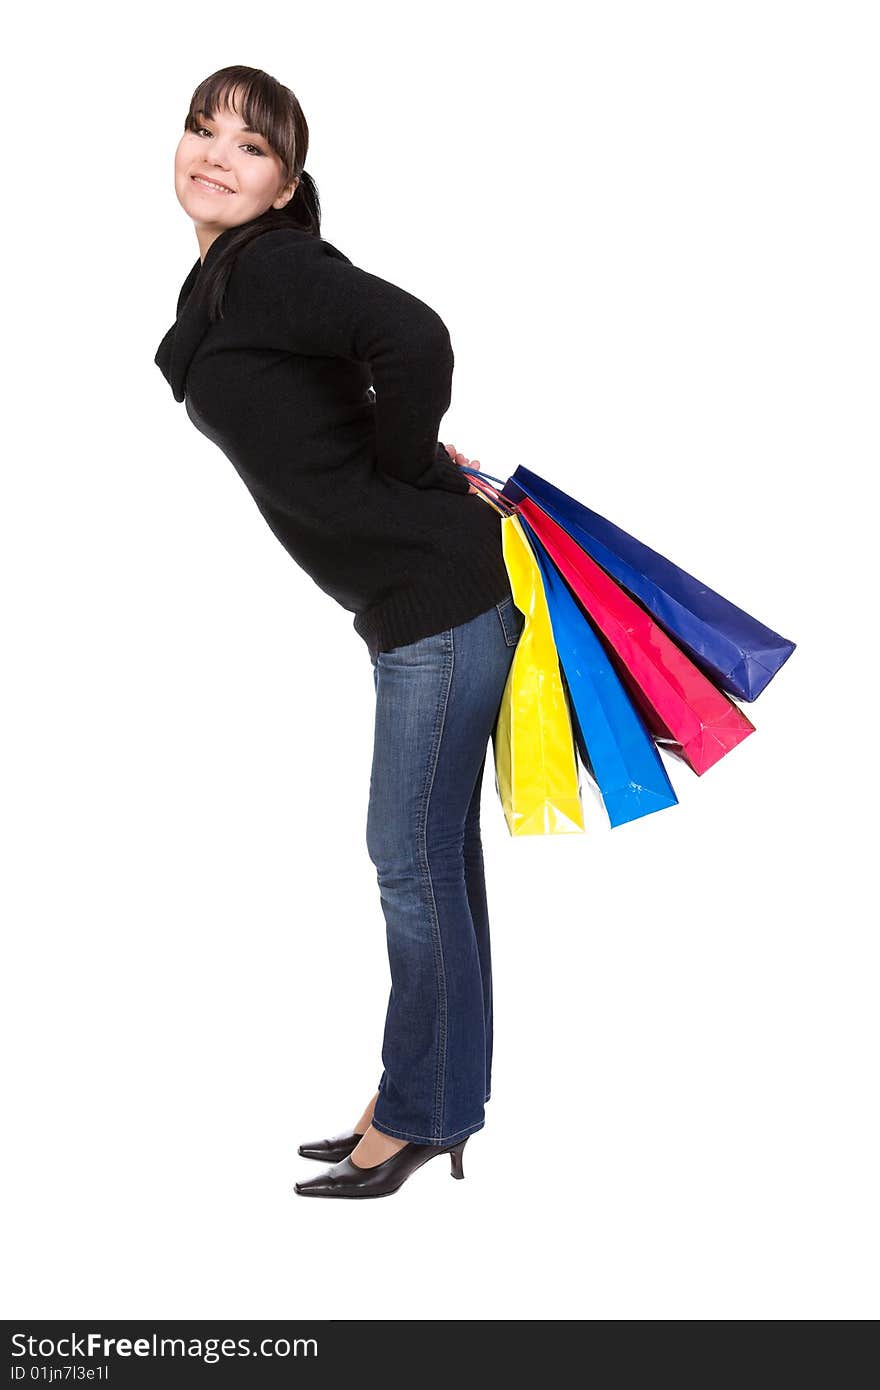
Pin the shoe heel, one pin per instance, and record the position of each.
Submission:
(455, 1155)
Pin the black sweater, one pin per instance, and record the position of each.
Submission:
(325, 386)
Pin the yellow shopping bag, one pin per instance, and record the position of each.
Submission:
(536, 772)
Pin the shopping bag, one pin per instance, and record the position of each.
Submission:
(739, 653)
(615, 746)
(536, 771)
(684, 711)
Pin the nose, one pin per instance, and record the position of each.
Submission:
(217, 152)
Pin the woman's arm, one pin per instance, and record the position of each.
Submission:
(320, 304)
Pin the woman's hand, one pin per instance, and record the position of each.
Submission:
(461, 459)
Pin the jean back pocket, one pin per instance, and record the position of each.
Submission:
(512, 620)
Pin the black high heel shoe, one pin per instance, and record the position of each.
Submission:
(332, 1150)
(346, 1179)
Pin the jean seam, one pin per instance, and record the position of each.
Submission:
(439, 963)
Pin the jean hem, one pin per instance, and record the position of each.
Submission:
(420, 1139)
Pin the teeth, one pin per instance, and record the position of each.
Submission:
(209, 184)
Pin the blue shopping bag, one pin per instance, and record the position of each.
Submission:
(739, 653)
(615, 746)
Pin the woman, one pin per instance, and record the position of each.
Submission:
(325, 386)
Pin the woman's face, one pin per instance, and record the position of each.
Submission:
(221, 151)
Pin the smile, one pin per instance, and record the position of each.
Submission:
(210, 185)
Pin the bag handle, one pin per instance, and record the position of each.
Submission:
(480, 473)
(490, 494)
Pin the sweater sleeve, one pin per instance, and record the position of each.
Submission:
(323, 305)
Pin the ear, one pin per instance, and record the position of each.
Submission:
(285, 197)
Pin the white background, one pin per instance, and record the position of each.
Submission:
(654, 240)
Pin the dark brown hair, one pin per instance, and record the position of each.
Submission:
(272, 109)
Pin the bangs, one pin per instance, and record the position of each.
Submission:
(258, 100)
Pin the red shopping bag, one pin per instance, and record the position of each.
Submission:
(685, 712)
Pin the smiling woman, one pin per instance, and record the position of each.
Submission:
(241, 155)
(325, 386)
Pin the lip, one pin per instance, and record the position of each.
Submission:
(196, 177)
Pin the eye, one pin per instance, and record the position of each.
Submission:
(197, 130)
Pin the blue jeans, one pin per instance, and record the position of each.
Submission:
(437, 701)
